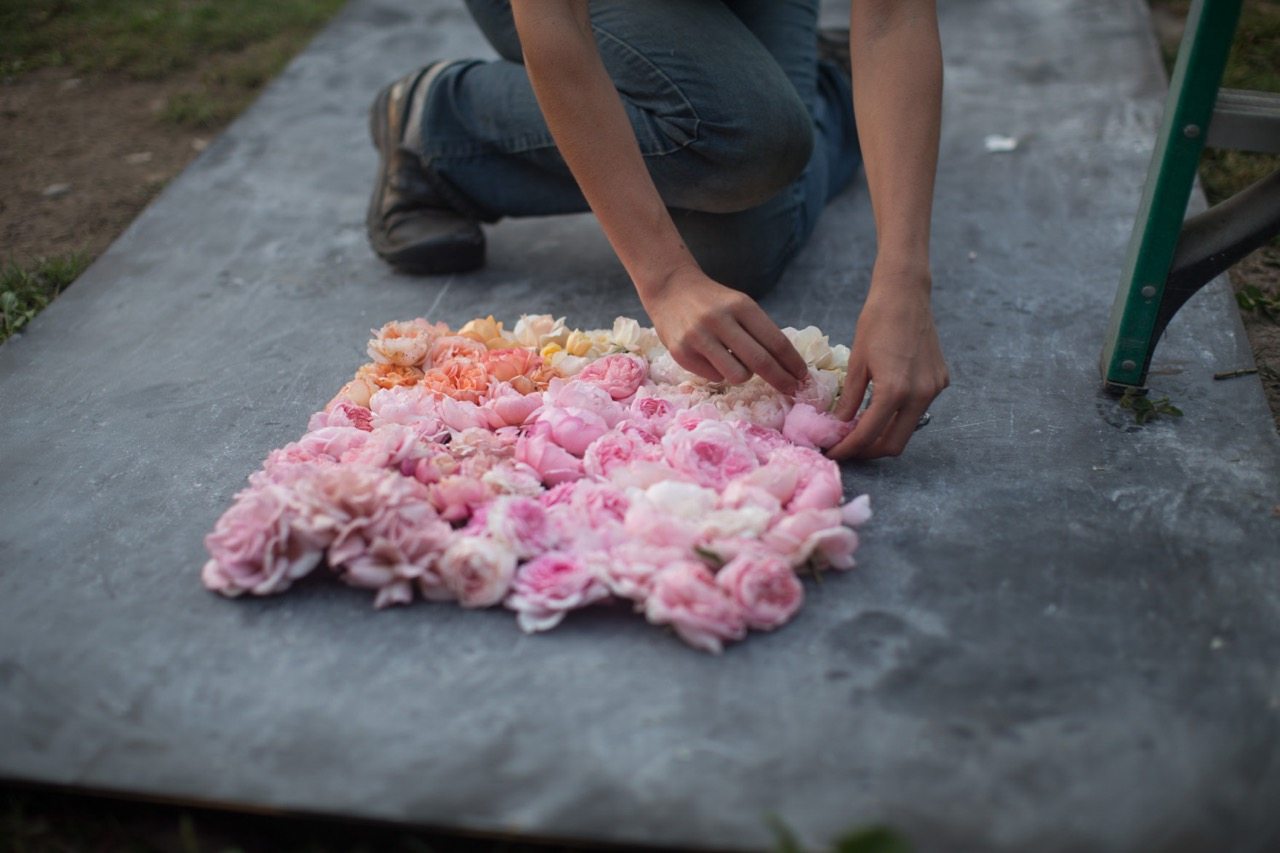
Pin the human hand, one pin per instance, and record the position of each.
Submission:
(896, 346)
(720, 333)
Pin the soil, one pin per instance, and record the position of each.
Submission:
(101, 140)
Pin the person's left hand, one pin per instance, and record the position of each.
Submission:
(895, 346)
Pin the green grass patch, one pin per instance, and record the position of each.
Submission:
(26, 290)
(147, 39)
(1254, 64)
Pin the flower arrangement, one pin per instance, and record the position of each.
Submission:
(545, 469)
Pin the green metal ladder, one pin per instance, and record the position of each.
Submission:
(1169, 259)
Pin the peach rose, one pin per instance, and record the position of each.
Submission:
(459, 378)
(487, 331)
(449, 347)
(388, 375)
(521, 367)
(405, 342)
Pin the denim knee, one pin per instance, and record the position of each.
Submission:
(753, 155)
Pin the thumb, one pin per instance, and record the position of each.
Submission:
(855, 387)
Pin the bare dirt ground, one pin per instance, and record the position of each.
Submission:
(80, 159)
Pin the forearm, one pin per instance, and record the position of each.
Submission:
(586, 117)
(897, 97)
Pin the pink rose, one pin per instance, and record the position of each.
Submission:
(332, 442)
(833, 548)
(573, 429)
(808, 427)
(763, 440)
(687, 598)
(818, 389)
(795, 535)
(713, 452)
(764, 587)
(475, 570)
(509, 477)
(258, 546)
(657, 411)
(456, 496)
(629, 568)
(777, 479)
(620, 374)
(520, 523)
(343, 413)
(575, 394)
(856, 512)
(509, 406)
(537, 449)
(818, 485)
(618, 449)
(409, 405)
(549, 586)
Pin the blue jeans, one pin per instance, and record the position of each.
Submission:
(746, 135)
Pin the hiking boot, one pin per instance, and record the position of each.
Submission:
(411, 226)
(833, 46)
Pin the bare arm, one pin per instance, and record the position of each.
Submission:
(897, 96)
(710, 329)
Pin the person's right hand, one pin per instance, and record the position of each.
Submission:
(720, 333)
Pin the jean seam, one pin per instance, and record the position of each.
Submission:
(687, 105)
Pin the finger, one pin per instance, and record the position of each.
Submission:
(694, 363)
(728, 364)
(867, 432)
(894, 438)
(855, 388)
(759, 360)
(761, 327)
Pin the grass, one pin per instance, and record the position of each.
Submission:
(147, 39)
(1254, 64)
(232, 47)
(25, 291)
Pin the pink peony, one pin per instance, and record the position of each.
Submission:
(539, 451)
(549, 586)
(456, 496)
(520, 523)
(856, 512)
(408, 405)
(818, 390)
(629, 568)
(808, 427)
(818, 478)
(795, 535)
(343, 413)
(655, 410)
(620, 374)
(572, 428)
(713, 452)
(475, 570)
(574, 394)
(764, 587)
(687, 598)
(509, 407)
(509, 477)
(618, 449)
(259, 546)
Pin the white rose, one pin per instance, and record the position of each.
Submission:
(477, 570)
(538, 330)
(812, 345)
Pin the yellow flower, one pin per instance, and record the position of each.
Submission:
(551, 349)
(484, 331)
(578, 343)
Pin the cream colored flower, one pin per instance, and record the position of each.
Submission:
(539, 330)
(487, 331)
(812, 345)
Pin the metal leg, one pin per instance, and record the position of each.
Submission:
(1193, 91)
